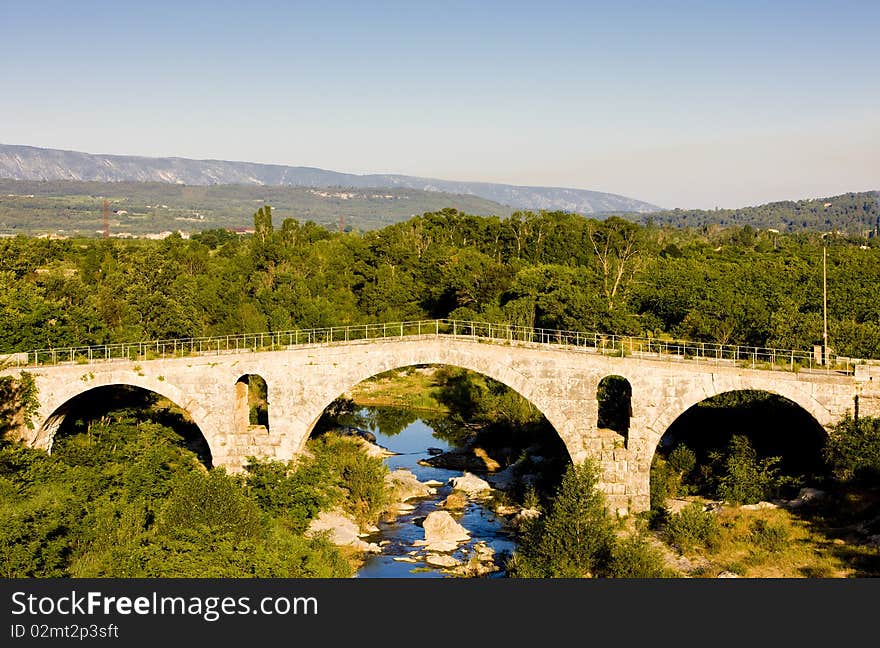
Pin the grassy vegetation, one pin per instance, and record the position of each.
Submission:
(777, 534)
(415, 388)
(775, 543)
(834, 537)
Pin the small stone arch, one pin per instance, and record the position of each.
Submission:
(614, 397)
(251, 404)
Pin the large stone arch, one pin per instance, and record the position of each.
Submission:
(801, 394)
(483, 361)
(54, 401)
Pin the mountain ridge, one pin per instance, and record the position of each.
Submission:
(23, 162)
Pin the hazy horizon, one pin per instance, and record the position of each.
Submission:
(791, 198)
(688, 104)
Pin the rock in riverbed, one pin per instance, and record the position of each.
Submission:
(503, 479)
(760, 506)
(523, 515)
(406, 485)
(441, 560)
(349, 430)
(470, 484)
(463, 459)
(442, 532)
(806, 496)
(342, 530)
(456, 501)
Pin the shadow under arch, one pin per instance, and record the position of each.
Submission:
(75, 414)
(558, 444)
(775, 425)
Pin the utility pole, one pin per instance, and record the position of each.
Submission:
(824, 303)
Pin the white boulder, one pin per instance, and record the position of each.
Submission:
(406, 485)
(442, 532)
(470, 484)
(342, 530)
(441, 560)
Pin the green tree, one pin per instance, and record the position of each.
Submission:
(574, 539)
(263, 223)
(617, 244)
(853, 449)
(743, 477)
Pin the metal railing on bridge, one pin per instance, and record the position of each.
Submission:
(600, 343)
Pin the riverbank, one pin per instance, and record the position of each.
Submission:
(412, 388)
(818, 534)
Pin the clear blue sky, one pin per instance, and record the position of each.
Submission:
(684, 104)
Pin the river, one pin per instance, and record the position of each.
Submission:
(397, 537)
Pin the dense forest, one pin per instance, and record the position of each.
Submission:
(557, 270)
(854, 213)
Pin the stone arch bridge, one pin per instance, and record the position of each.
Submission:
(559, 372)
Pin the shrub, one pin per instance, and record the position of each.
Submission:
(297, 494)
(18, 402)
(743, 478)
(355, 480)
(768, 536)
(853, 449)
(213, 502)
(633, 557)
(692, 527)
(367, 494)
(34, 536)
(665, 482)
(683, 460)
(530, 498)
(669, 476)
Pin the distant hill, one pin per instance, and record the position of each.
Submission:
(853, 213)
(31, 163)
(36, 207)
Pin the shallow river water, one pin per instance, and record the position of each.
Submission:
(484, 526)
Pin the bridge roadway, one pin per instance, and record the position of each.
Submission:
(561, 380)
